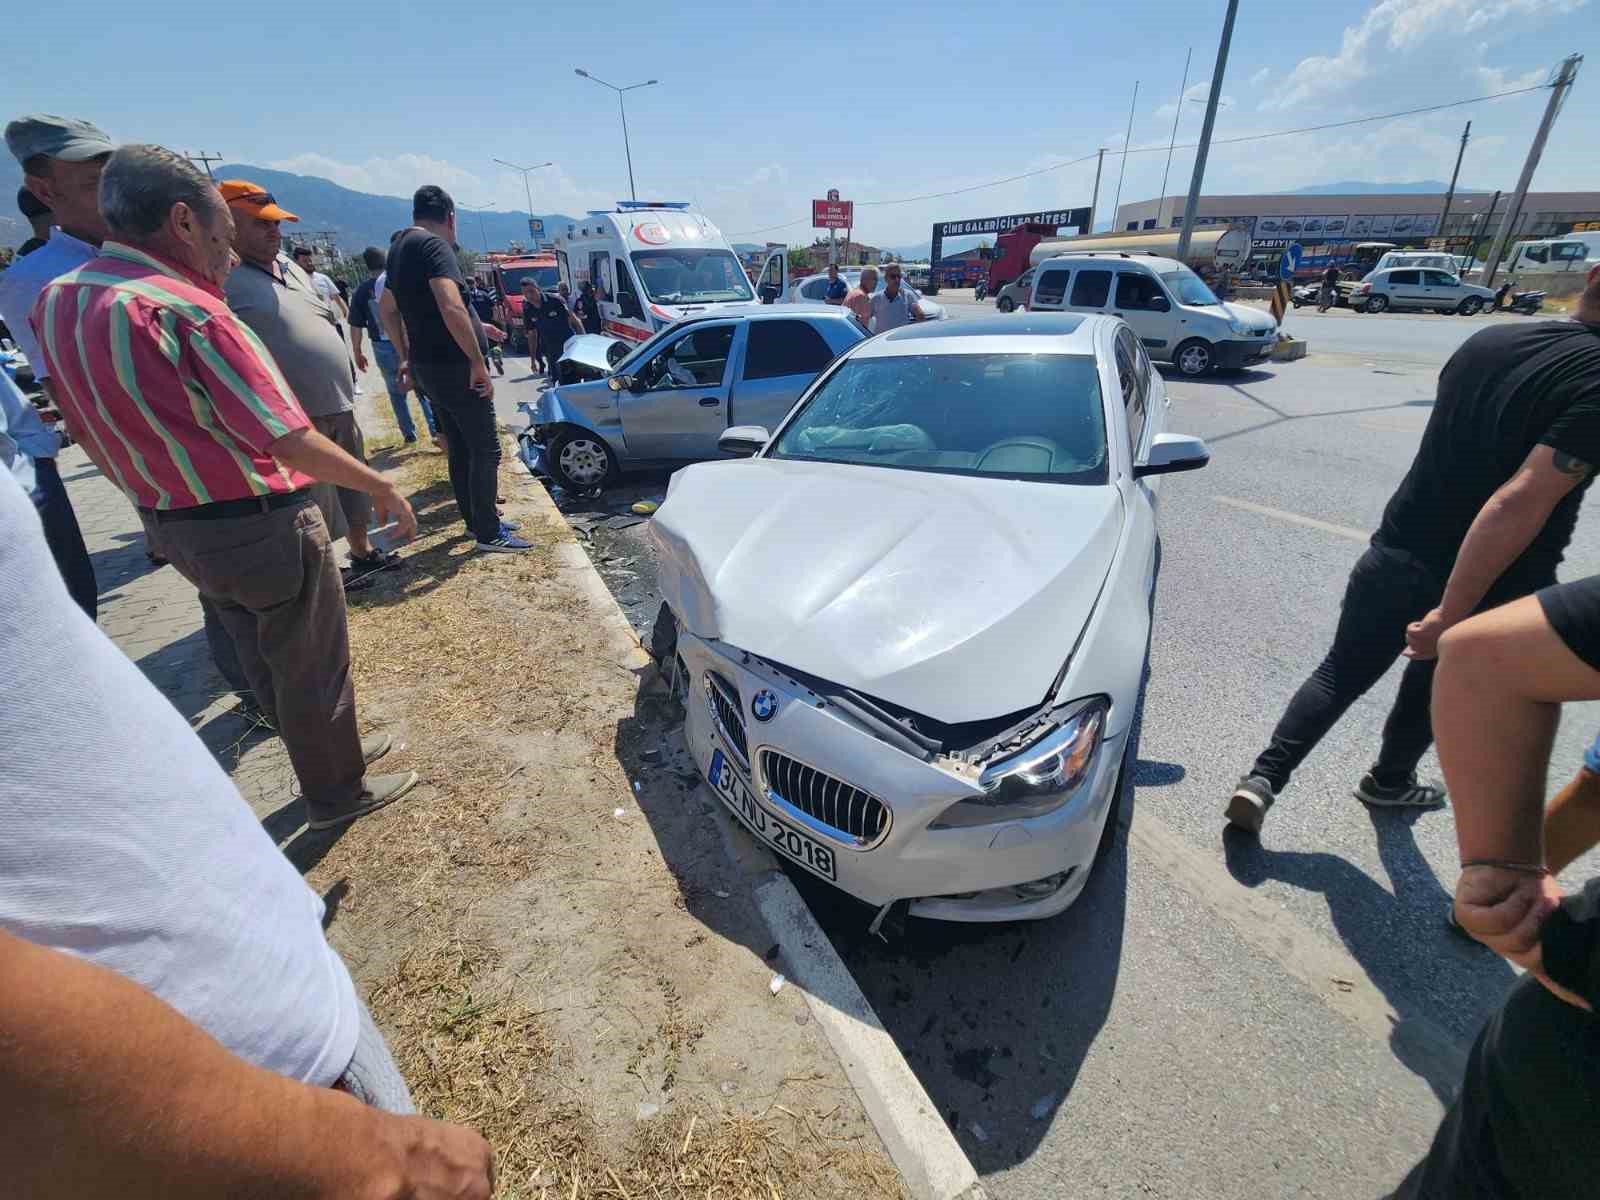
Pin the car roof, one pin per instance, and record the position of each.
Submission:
(771, 312)
(1031, 333)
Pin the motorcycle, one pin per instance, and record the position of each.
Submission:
(981, 290)
(1304, 295)
(1528, 303)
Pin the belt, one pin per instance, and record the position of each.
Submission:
(219, 510)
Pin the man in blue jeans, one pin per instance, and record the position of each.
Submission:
(364, 318)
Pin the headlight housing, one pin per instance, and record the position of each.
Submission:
(1039, 779)
(1238, 326)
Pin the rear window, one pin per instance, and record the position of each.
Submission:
(1091, 289)
(1014, 416)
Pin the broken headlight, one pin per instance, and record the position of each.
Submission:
(1040, 778)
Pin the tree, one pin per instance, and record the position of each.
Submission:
(468, 259)
(799, 258)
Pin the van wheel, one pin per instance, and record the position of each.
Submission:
(1471, 306)
(1005, 304)
(1376, 304)
(580, 461)
(1193, 357)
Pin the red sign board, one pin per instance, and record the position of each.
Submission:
(832, 214)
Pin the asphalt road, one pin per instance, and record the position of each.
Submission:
(1215, 1017)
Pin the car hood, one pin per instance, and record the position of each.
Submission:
(1252, 319)
(592, 350)
(956, 597)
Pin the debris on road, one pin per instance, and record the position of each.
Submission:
(777, 983)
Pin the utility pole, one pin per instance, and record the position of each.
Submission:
(1558, 94)
(1116, 205)
(1454, 175)
(1183, 87)
(1204, 148)
(1094, 202)
(205, 160)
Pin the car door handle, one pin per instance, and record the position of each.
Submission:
(709, 401)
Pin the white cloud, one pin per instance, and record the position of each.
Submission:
(401, 175)
(1499, 79)
(1260, 77)
(1402, 26)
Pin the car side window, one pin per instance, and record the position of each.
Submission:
(1406, 278)
(816, 289)
(1441, 279)
(1091, 289)
(697, 359)
(1051, 288)
(1135, 290)
(1135, 386)
(779, 348)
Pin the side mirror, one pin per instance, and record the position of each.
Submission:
(743, 440)
(617, 382)
(1160, 304)
(769, 293)
(1173, 452)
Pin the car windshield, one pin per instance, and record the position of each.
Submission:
(1188, 287)
(691, 276)
(1013, 416)
(545, 277)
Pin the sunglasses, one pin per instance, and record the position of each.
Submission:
(259, 199)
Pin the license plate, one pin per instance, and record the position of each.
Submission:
(791, 843)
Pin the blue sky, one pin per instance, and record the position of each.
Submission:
(760, 107)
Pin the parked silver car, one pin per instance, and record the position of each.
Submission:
(1419, 288)
(1015, 294)
(814, 288)
(669, 401)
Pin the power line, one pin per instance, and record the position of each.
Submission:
(1253, 137)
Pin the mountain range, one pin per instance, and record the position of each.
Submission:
(356, 219)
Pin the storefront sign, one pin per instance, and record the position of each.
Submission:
(832, 213)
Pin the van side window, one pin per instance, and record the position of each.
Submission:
(600, 275)
(1136, 290)
(627, 299)
(779, 348)
(1091, 289)
(1051, 288)
(1537, 253)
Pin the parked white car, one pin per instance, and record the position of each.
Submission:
(1419, 288)
(813, 289)
(913, 627)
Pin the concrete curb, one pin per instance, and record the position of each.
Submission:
(918, 1141)
(1289, 350)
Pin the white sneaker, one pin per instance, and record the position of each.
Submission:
(505, 544)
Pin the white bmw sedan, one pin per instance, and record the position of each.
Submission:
(913, 625)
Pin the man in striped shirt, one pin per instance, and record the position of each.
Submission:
(183, 408)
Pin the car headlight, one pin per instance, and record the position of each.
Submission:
(1039, 779)
(1238, 326)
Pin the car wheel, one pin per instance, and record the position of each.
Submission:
(1193, 357)
(580, 461)
(1471, 306)
(1005, 304)
(1113, 826)
(1376, 304)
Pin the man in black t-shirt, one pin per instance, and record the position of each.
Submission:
(1481, 518)
(1328, 293)
(549, 323)
(1522, 1124)
(442, 344)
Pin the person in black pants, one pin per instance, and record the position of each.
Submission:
(1481, 518)
(441, 343)
(1522, 1126)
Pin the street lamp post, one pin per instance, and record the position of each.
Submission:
(482, 230)
(526, 190)
(626, 149)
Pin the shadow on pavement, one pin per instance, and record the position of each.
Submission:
(1400, 939)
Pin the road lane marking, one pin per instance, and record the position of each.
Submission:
(1344, 531)
(1329, 972)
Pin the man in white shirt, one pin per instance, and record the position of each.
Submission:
(61, 161)
(894, 306)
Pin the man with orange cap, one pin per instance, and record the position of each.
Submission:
(273, 296)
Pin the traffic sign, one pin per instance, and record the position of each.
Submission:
(535, 227)
(832, 214)
(1289, 261)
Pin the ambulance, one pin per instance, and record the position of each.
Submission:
(652, 263)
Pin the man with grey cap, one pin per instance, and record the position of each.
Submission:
(61, 160)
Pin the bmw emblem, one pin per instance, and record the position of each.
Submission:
(764, 704)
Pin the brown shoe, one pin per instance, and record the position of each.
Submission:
(376, 792)
(375, 747)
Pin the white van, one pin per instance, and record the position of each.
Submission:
(652, 263)
(1550, 255)
(1175, 314)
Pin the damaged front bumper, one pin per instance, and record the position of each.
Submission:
(530, 442)
(864, 815)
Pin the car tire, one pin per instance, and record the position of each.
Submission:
(1471, 306)
(1376, 304)
(579, 460)
(1194, 357)
(1005, 304)
(1119, 803)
